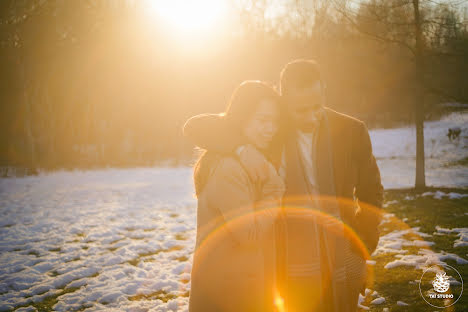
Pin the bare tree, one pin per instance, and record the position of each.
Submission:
(408, 24)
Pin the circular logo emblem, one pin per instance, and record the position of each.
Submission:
(441, 286)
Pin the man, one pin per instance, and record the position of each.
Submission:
(332, 184)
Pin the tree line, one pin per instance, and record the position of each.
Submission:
(93, 83)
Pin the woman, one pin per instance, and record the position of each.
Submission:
(234, 261)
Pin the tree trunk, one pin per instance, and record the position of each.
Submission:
(420, 181)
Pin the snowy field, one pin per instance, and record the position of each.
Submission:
(113, 234)
(91, 240)
(395, 150)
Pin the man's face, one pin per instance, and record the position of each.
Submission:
(305, 106)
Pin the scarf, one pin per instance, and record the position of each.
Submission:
(327, 231)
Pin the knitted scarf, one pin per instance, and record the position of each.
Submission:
(328, 232)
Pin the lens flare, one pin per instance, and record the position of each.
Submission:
(212, 258)
(279, 303)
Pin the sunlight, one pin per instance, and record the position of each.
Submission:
(189, 17)
(279, 303)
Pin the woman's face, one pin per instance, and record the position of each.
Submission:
(263, 125)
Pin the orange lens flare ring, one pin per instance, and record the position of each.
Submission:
(240, 220)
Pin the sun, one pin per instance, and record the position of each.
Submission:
(188, 16)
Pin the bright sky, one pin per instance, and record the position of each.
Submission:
(188, 17)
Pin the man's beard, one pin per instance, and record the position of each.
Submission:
(312, 125)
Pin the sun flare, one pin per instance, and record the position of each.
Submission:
(188, 16)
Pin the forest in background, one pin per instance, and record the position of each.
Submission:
(96, 83)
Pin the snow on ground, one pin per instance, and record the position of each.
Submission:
(424, 259)
(124, 237)
(361, 301)
(417, 254)
(440, 195)
(395, 150)
(462, 233)
(379, 300)
(393, 242)
(113, 234)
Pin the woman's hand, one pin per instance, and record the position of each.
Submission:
(270, 202)
(273, 188)
(254, 163)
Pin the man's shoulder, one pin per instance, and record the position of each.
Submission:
(344, 121)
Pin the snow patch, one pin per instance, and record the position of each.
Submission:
(379, 300)
(440, 195)
(462, 233)
(423, 259)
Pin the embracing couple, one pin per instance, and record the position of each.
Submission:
(288, 200)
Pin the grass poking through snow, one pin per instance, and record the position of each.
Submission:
(426, 212)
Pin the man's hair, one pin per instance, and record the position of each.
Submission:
(299, 74)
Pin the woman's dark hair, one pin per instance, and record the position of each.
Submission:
(242, 105)
(245, 100)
